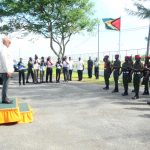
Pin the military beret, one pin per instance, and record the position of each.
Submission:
(106, 56)
(147, 57)
(137, 57)
(127, 57)
(117, 55)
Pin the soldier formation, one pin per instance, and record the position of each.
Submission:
(128, 70)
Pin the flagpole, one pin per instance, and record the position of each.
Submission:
(119, 40)
(98, 42)
(120, 37)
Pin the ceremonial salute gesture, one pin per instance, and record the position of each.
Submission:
(116, 71)
(137, 71)
(107, 71)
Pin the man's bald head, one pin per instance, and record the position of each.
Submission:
(6, 41)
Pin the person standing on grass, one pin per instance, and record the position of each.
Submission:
(21, 68)
(65, 65)
(42, 70)
(58, 70)
(80, 68)
(71, 65)
(6, 68)
(30, 70)
(96, 68)
(36, 69)
(107, 71)
(90, 67)
(49, 70)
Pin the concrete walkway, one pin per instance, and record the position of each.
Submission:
(78, 116)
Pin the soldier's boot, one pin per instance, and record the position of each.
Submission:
(135, 97)
(146, 92)
(115, 90)
(106, 88)
(125, 93)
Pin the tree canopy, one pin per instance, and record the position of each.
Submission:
(54, 19)
(144, 13)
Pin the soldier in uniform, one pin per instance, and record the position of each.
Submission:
(126, 70)
(146, 72)
(116, 71)
(137, 70)
(107, 71)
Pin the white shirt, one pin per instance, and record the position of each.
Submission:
(70, 65)
(80, 65)
(6, 60)
(65, 64)
(36, 64)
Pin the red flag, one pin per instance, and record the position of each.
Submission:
(116, 23)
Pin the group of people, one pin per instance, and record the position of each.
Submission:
(130, 71)
(37, 67)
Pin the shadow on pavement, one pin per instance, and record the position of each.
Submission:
(139, 109)
(145, 116)
(130, 103)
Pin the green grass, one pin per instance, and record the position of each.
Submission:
(92, 80)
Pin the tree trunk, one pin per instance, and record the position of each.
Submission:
(148, 41)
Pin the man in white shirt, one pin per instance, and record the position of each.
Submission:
(80, 68)
(6, 67)
(70, 68)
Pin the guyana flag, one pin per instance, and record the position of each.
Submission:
(112, 24)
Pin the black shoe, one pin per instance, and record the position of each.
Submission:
(133, 90)
(7, 101)
(145, 93)
(114, 91)
(135, 97)
(148, 102)
(124, 94)
(27, 81)
(106, 88)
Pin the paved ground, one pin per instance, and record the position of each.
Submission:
(78, 116)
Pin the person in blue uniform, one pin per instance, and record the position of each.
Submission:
(21, 68)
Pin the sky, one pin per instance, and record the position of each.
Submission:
(132, 35)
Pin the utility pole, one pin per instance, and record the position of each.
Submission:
(148, 41)
(98, 42)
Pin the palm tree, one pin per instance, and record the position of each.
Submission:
(143, 13)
